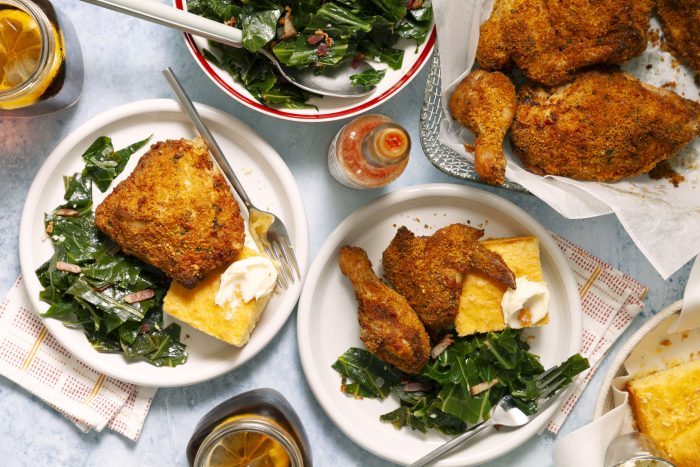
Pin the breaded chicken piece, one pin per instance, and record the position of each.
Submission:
(176, 212)
(603, 126)
(389, 327)
(428, 271)
(551, 39)
(484, 103)
(680, 20)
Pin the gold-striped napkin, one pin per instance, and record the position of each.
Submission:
(32, 358)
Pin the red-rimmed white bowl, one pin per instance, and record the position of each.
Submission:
(329, 108)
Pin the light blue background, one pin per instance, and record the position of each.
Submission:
(124, 58)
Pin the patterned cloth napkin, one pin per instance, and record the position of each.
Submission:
(32, 358)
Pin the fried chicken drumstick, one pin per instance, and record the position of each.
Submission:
(551, 39)
(602, 126)
(389, 327)
(428, 271)
(484, 103)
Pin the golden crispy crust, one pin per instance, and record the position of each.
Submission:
(428, 271)
(176, 212)
(680, 20)
(550, 40)
(484, 102)
(603, 126)
(389, 327)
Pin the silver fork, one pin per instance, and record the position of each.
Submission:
(267, 230)
(504, 413)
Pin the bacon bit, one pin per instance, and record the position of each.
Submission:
(68, 267)
(357, 60)
(289, 30)
(416, 386)
(103, 288)
(414, 4)
(49, 228)
(322, 50)
(315, 39)
(139, 296)
(444, 343)
(144, 328)
(231, 22)
(481, 387)
(65, 212)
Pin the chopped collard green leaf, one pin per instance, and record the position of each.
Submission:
(368, 78)
(87, 278)
(457, 389)
(323, 34)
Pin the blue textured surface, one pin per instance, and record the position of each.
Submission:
(123, 60)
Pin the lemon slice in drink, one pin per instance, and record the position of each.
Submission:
(20, 52)
(250, 449)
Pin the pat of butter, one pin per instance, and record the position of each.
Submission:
(245, 280)
(525, 305)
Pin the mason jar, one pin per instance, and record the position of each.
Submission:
(41, 67)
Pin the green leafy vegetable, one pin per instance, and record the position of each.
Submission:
(368, 78)
(95, 299)
(459, 387)
(325, 34)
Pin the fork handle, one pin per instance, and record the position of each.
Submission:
(450, 445)
(206, 135)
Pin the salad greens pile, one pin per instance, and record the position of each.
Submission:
(322, 33)
(458, 388)
(88, 282)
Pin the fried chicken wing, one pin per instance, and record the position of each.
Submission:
(389, 327)
(176, 212)
(428, 271)
(484, 103)
(680, 20)
(602, 126)
(551, 39)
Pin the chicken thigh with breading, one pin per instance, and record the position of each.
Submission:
(389, 327)
(550, 40)
(484, 103)
(680, 20)
(428, 271)
(602, 126)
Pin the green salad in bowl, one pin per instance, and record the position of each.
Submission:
(317, 33)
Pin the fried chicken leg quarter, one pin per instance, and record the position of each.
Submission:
(603, 126)
(484, 103)
(551, 39)
(428, 271)
(389, 327)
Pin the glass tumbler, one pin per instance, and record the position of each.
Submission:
(635, 450)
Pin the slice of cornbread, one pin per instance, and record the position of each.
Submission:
(197, 308)
(666, 406)
(480, 303)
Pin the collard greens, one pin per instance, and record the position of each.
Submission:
(94, 299)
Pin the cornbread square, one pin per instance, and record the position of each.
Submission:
(176, 212)
(666, 406)
(480, 302)
(197, 308)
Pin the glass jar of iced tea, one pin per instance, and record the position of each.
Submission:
(256, 428)
(41, 67)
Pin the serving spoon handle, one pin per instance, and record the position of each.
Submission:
(167, 15)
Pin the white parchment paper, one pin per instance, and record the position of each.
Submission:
(663, 221)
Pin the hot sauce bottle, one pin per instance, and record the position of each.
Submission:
(369, 152)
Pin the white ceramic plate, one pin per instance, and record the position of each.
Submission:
(604, 404)
(327, 316)
(329, 108)
(262, 172)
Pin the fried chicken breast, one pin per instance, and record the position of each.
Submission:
(484, 103)
(603, 126)
(428, 271)
(176, 212)
(680, 20)
(551, 39)
(389, 327)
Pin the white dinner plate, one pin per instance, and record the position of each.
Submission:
(329, 108)
(327, 316)
(262, 172)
